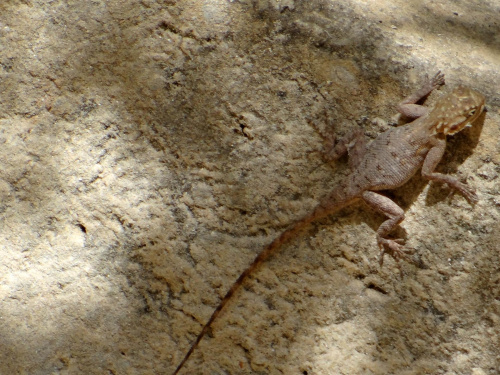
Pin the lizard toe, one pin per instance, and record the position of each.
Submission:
(468, 192)
(438, 79)
(394, 248)
(470, 195)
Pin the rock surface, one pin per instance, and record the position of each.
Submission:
(150, 149)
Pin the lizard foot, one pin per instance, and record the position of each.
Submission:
(392, 247)
(468, 192)
(437, 80)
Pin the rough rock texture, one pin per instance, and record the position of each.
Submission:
(150, 149)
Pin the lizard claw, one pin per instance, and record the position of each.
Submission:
(468, 192)
(437, 80)
(392, 247)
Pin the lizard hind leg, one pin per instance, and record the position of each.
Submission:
(353, 143)
(395, 214)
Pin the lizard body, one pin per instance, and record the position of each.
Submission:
(388, 162)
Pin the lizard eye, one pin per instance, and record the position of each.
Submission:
(472, 112)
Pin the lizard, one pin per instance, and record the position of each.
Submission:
(388, 162)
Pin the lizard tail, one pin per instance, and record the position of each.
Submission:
(326, 207)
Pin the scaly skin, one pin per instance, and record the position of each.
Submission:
(386, 163)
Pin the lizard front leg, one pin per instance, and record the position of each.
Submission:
(408, 106)
(395, 216)
(431, 161)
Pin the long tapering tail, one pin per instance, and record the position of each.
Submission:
(335, 201)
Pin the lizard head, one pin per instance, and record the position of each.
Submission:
(457, 110)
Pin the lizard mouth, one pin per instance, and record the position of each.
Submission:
(460, 122)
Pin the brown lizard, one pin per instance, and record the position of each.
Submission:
(388, 162)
